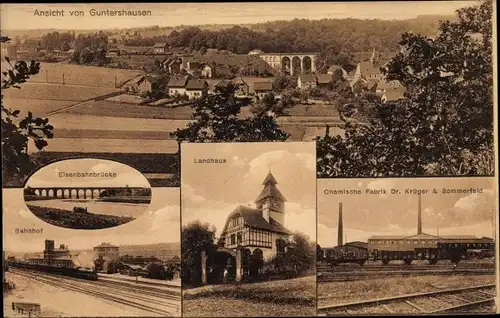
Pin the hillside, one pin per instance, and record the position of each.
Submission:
(160, 250)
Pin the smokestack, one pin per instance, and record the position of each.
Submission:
(419, 224)
(341, 227)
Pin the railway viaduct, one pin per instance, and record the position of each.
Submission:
(290, 63)
(79, 192)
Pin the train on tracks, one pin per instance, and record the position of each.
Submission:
(408, 249)
(56, 268)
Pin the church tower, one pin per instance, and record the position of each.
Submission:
(270, 201)
(374, 58)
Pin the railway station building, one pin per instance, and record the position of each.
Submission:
(107, 251)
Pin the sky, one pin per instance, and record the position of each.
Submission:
(49, 176)
(21, 16)
(159, 224)
(365, 215)
(211, 191)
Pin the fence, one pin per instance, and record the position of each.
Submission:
(32, 309)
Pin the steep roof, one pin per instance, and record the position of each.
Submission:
(177, 81)
(371, 84)
(384, 84)
(239, 81)
(262, 86)
(270, 191)
(324, 78)
(394, 94)
(307, 78)
(368, 68)
(196, 84)
(270, 179)
(254, 218)
(160, 45)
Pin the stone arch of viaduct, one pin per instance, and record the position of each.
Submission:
(290, 62)
(75, 192)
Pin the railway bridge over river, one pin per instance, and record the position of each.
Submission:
(80, 192)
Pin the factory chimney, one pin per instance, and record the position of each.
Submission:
(341, 227)
(419, 224)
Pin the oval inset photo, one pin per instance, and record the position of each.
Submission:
(87, 194)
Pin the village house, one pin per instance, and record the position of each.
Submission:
(141, 84)
(324, 80)
(337, 71)
(9, 51)
(172, 65)
(392, 95)
(114, 52)
(196, 88)
(219, 71)
(243, 87)
(160, 48)
(261, 89)
(177, 85)
(384, 85)
(369, 69)
(306, 81)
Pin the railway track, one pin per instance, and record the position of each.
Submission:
(360, 275)
(436, 302)
(156, 302)
(375, 267)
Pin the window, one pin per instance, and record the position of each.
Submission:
(259, 238)
(280, 245)
(239, 238)
(233, 239)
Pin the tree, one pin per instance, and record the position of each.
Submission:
(196, 238)
(444, 127)
(216, 120)
(301, 253)
(17, 132)
(282, 82)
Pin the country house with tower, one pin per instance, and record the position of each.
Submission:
(250, 235)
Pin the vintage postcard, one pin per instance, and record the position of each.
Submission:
(407, 246)
(248, 214)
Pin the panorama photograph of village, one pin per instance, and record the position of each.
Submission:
(387, 88)
(131, 270)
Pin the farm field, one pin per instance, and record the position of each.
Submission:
(78, 121)
(111, 134)
(297, 297)
(115, 109)
(40, 91)
(39, 107)
(111, 146)
(351, 291)
(82, 75)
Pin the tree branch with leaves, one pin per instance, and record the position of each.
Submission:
(18, 131)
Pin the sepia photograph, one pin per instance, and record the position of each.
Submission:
(248, 214)
(129, 81)
(407, 246)
(87, 194)
(132, 270)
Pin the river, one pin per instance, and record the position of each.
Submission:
(133, 210)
